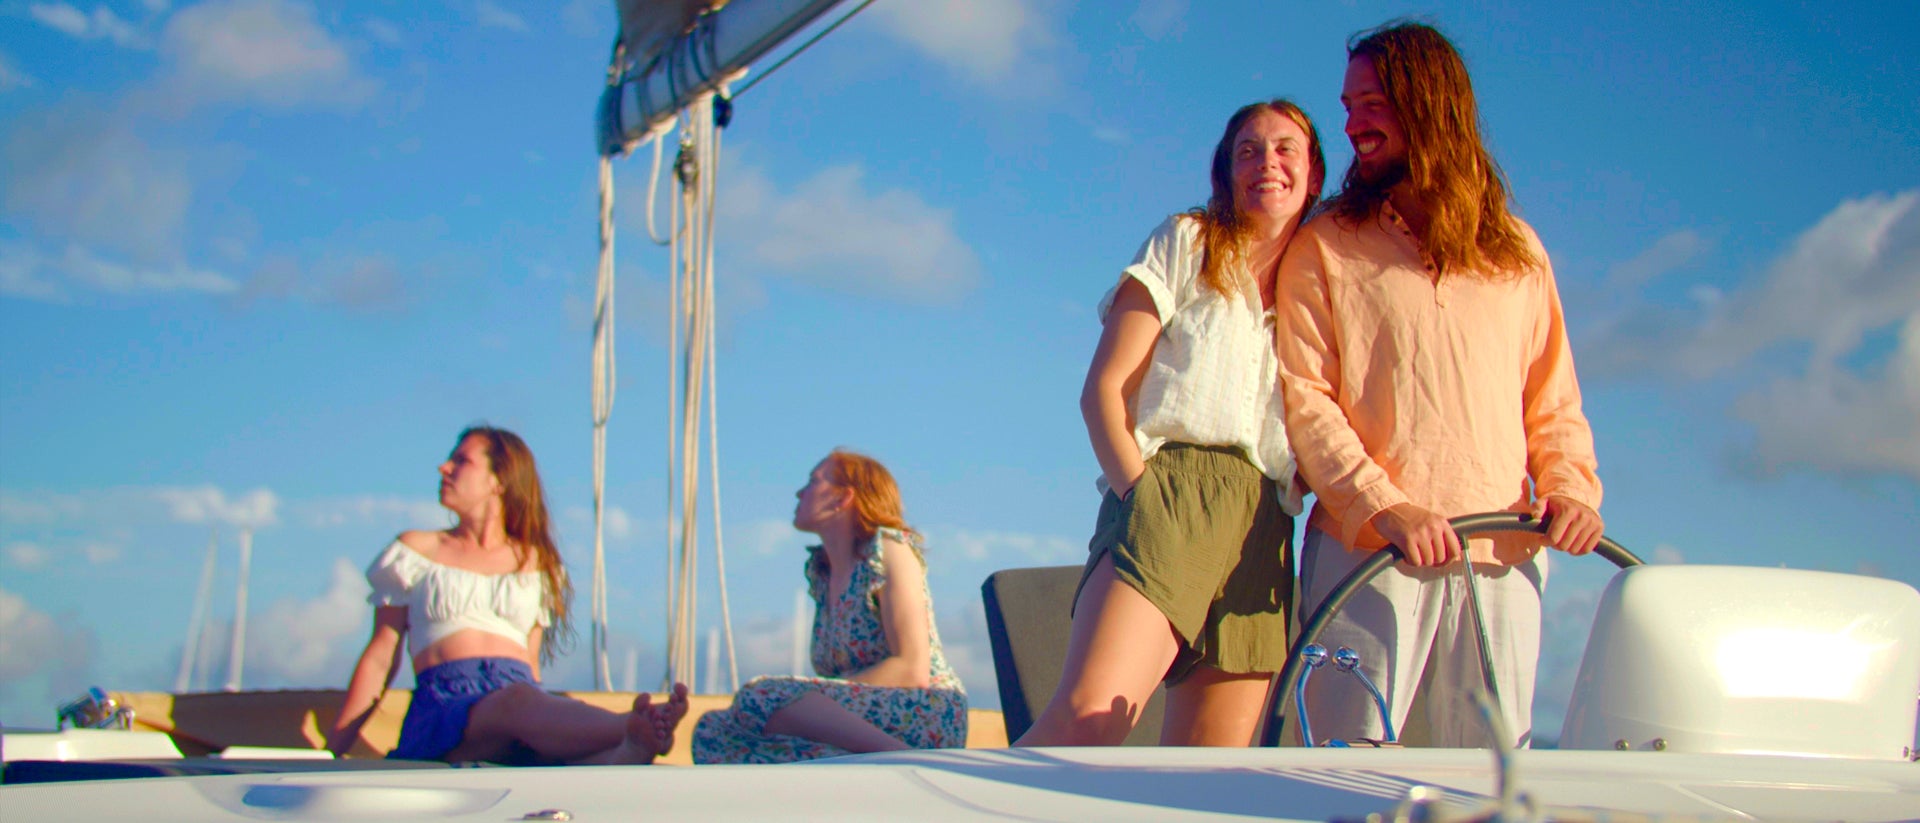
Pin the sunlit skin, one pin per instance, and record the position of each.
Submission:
(557, 728)
(1121, 644)
(826, 508)
(1379, 143)
(1272, 179)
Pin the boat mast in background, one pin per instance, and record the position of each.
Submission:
(196, 622)
(237, 648)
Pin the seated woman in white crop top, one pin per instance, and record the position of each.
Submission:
(476, 605)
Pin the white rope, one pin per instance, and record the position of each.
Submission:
(604, 379)
(688, 238)
(653, 180)
(713, 409)
(691, 373)
(672, 600)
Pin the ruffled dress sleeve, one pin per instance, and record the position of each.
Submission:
(393, 574)
(876, 565)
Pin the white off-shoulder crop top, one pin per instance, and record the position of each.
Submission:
(442, 600)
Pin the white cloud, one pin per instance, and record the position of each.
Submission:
(1112, 135)
(99, 554)
(994, 43)
(1009, 548)
(32, 644)
(20, 276)
(1670, 252)
(770, 538)
(1566, 620)
(208, 504)
(42, 509)
(364, 282)
(25, 555)
(310, 642)
(142, 505)
(617, 527)
(585, 18)
(832, 231)
(270, 53)
(382, 31)
(1666, 555)
(27, 274)
(31, 556)
(1856, 270)
(79, 176)
(60, 17)
(397, 513)
(1160, 19)
(11, 77)
(1832, 420)
(1855, 273)
(102, 24)
(491, 16)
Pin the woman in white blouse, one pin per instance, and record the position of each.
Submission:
(480, 605)
(1189, 576)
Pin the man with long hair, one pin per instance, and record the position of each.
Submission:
(1428, 375)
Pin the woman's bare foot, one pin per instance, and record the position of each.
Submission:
(650, 728)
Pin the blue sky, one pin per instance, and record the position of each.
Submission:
(260, 260)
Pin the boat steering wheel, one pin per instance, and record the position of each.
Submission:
(1464, 526)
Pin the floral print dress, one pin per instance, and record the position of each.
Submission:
(847, 637)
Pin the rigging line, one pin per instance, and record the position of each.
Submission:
(713, 405)
(653, 186)
(803, 47)
(671, 601)
(604, 383)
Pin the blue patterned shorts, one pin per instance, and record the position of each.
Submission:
(443, 697)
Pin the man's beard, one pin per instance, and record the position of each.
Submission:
(1381, 176)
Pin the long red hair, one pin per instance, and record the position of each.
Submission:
(1452, 175)
(876, 497)
(524, 508)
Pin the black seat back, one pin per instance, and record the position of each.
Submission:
(1028, 621)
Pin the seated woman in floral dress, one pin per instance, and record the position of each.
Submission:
(884, 684)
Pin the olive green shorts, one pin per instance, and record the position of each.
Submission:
(1204, 538)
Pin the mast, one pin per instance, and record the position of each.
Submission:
(196, 622)
(237, 649)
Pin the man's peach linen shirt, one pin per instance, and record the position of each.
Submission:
(1449, 393)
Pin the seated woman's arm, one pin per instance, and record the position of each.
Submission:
(903, 614)
(370, 677)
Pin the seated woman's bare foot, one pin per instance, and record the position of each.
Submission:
(650, 728)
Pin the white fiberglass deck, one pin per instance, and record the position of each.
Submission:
(1056, 784)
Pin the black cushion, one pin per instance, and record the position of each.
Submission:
(1029, 617)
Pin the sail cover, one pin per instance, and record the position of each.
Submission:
(648, 27)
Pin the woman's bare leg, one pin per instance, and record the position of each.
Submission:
(649, 731)
(820, 718)
(1213, 708)
(554, 727)
(1120, 648)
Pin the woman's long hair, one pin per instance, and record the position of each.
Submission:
(524, 508)
(1223, 233)
(1469, 227)
(876, 498)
